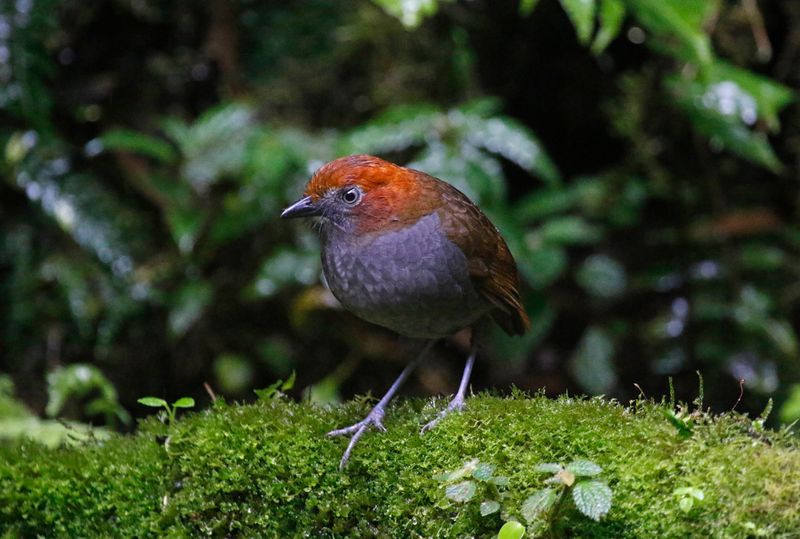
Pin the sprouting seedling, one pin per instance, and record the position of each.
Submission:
(511, 530)
(688, 497)
(682, 421)
(576, 480)
(758, 424)
(171, 410)
(474, 478)
(276, 389)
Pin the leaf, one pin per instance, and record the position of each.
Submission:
(583, 468)
(592, 498)
(185, 223)
(153, 402)
(790, 410)
(188, 306)
(602, 276)
(539, 502)
(591, 362)
(140, 143)
(215, 145)
(723, 111)
(500, 481)
(397, 129)
(511, 530)
(542, 203)
(684, 425)
(184, 402)
(488, 507)
(289, 383)
(769, 95)
(612, 13)
(233, 372)
(512, 140)
(569, 230)
(274, 390)
(285, 266)
(678, 19)
(462, 472)
(410, 13)
(483, 472)
(526, 7)
(691, 492)
(543, 265)
(548, 467)
(461, 492)
(83, 384)
(581, 13)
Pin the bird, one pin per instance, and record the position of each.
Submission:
(409, 252)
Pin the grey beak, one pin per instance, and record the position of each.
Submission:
(304, 207)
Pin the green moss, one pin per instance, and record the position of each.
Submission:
(268, 470)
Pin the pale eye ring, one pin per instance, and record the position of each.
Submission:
(351, 195)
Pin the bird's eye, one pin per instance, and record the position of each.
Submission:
(351, 195)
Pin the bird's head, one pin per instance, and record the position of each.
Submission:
(362, 194)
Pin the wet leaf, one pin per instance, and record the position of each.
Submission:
(592, 498)
(461, 492)
(539, 502)
(489, 507)
(612, 14)
(139, 143)
(581, 13)
(548, 467)
(583, 468)
(511, 530)
(483, 472)
(153, 402)
(184, 402)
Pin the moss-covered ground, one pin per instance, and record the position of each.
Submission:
(267, 470)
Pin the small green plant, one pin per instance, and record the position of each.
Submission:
(758, 424)
(276, 389)
(688, 497)
(682, 420)
(511, 530)
(576, 480)
(84, 383)
(170, 409)
(481, 482)
(475, 480)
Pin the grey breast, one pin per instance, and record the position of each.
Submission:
(414, 280)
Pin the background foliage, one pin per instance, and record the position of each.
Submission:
(642, 158)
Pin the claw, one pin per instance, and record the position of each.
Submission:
(456, 405)
(374, 419)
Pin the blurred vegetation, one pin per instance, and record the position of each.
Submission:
(641, 157)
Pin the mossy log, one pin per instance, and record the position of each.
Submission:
(267, 470)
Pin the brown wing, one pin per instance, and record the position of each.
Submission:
(491, 265)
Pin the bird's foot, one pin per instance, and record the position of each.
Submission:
(457, 404)
(373, 419)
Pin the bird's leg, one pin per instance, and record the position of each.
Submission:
(457, 403)
(375, 417)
